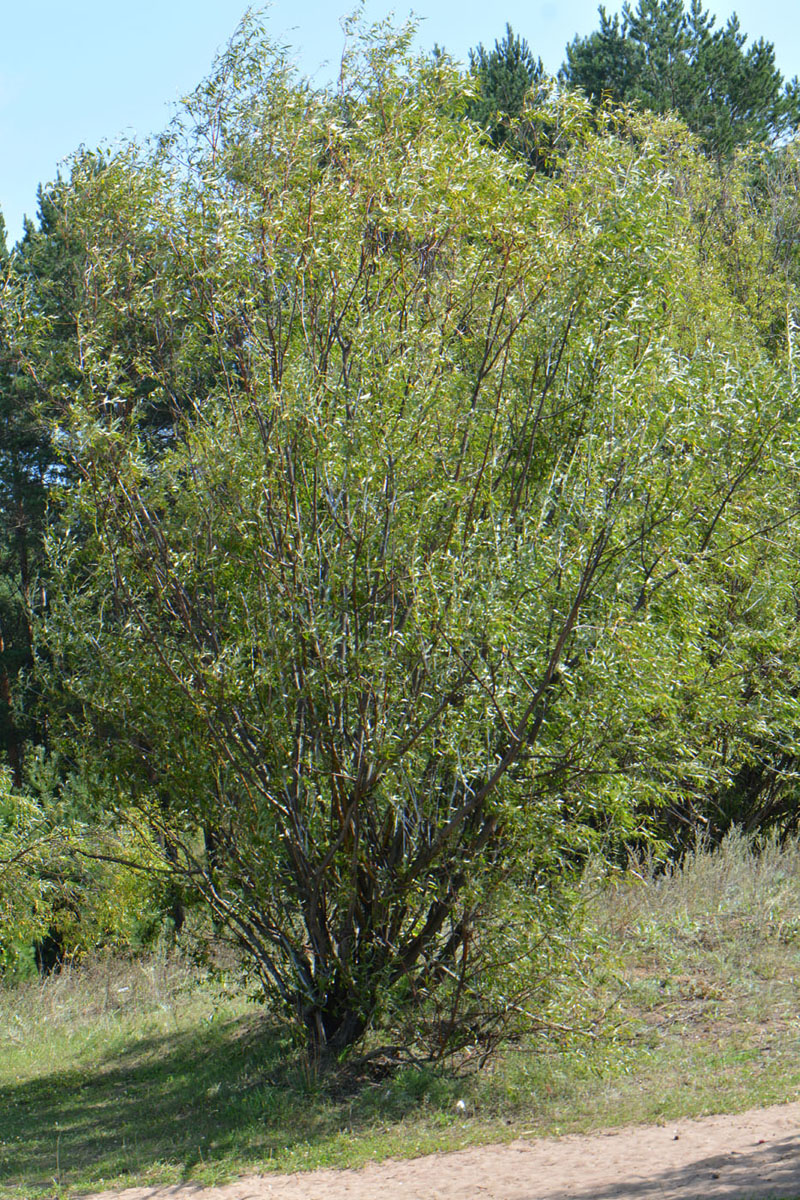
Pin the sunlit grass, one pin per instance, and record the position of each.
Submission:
(121, 1073)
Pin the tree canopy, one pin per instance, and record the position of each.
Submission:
(416, 514)
(504, 78)
(670, 58)
(420, 524)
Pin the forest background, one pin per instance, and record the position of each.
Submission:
(399, 496)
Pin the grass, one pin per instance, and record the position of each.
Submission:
(118, 1074)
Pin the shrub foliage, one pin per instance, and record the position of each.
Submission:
(424, 523)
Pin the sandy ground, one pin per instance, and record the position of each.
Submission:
(753, 1155)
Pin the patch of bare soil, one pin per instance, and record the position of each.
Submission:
(752, 1155)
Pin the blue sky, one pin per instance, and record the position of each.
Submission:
(85, 72)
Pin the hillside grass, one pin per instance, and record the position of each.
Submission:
(121, 1073)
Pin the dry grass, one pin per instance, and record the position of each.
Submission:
(717, 935)
(98, 989)
(123, 1072)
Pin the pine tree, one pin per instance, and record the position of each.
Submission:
(45, 261)
(668, 58)
(505, 77)
(21, 507)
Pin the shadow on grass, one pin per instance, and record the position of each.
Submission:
(230, 1094)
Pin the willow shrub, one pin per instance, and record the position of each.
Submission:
(459, 540)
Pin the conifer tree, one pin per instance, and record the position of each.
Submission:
(25, 459)
(669, 58)
(505, 78)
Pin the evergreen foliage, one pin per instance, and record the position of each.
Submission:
(25, 460)
(504, 76)
(670, 58)
(509, 85)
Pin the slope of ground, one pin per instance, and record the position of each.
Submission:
(147, 1074)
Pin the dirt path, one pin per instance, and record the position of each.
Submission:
(754, 1155)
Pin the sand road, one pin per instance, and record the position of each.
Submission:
(751, 1155)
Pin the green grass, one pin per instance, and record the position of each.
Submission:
(126, 1073)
